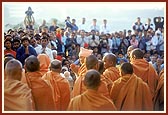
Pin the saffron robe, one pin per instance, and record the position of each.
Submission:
(147, 73)
(131, 93)
(112, 73)
(60, 89)
(41, 92)
(91, 100)
(44, 63)
(17, 96)
(79, 87)
(159, 94)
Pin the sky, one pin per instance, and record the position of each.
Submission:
(120, 15)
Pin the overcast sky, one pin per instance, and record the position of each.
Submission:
(117, 14)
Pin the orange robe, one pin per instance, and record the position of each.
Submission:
(44, 63)
(60, 89)
(82, 69)
(159, 94)
(91, 100)
(17, 96)
(79, 87)
(112, 73)
(146, 72)
(41, 91)
(130, 93)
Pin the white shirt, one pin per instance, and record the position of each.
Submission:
(48, 51)
(84, 27)
(96, 28)
(82, 41)
(104, 29)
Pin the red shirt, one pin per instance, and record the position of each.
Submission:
(10, 51)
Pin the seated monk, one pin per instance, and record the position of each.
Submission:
(17, 95)
(44, 63)
(91, 99)
(129, 92)
(159, 94)
(144, 70)
(41, 91)
(6, 60)
(130, 48)
(79, 87)
(111, 71)
(60, 86)
(79, 70)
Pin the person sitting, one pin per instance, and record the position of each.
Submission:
(60, 86)
(41, 91)
(129, 92)
(91, 99)
(25, 50)
(111, 71)
(17, 95)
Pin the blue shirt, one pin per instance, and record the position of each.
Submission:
(21, 56)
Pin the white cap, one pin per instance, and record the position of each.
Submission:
(85, 52)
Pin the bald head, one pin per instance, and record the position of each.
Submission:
(13, 70)
(56, 66)
(136, 54)
(91, 62)
(109, 60)
(92, 79)
(32, 64)
(130, 48)
(126, 68)
(6, 60)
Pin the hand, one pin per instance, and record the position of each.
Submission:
(26, 50)
(74, 68)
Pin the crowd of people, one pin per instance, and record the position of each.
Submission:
(81, 68)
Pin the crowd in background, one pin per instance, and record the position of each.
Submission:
(82, 47)
(64, 43)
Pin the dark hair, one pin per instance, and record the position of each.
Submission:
(127, 68)
(101, 67)
(37, 36)
(32, 64)
(7, 40)
(7, 59)
(16, 39)
(24, 38)
(137, 53)
(55, 64)
(44, 37)
(92, 79)
(91, 61)
(133, 35)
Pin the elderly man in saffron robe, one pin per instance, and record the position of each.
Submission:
(91, 62)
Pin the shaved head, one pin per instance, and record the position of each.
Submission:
(126, 68)
(32, 64)
(55, 65)
(109, 60)
(136, 54)
(130, 48)
(13, 69)
(91, 62)
(92, 79)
